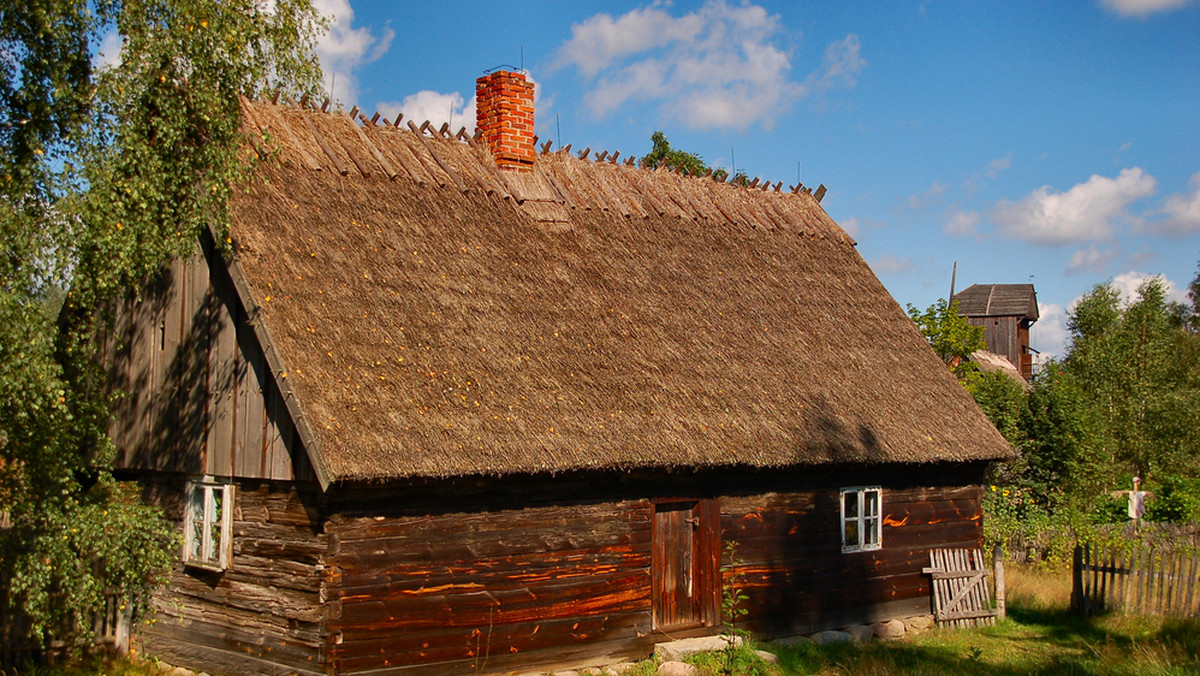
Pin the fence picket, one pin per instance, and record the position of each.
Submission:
(1191, 584)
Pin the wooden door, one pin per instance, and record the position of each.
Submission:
(685, 564)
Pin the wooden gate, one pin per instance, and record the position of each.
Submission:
(960, 588)
(685, 564)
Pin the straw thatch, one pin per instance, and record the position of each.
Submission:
(438, 317)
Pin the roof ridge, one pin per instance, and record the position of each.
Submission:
(427, 129)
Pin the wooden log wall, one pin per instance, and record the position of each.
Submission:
(478, 591)
(491, 575)
(262, 615)
(197, 396)
(797, 577)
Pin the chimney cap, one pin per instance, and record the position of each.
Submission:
(506, 67)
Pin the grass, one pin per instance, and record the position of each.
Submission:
(1040, 637)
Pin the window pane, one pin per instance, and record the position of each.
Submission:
(196, 523)
(214, 525)
(870, 503)
(851, 534)
(850, 505)
(871, 530)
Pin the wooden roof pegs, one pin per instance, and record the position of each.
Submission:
(819, 193)
(754, 183)
(613, 159)
(778, 186)
(462, 135)
(546, 146)
(708, 172)
(386, 123)
(601, 156)
(399, 116)
(325, 106)
(630, 161)
(425, 126)
(565, 149)
(354, 113)
(304, 101)
(275, 96)
(796, 188)
(444, 129)
(375, 118)
(584, 153)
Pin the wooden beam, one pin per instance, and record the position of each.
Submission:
(387, 167)
(341, 168)
(436, 158)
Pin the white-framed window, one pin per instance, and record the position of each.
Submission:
(861, 508)
(208, 524)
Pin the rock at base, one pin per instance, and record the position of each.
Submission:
(827, 637)
(676, 669)
(861, 633)
(889, 629)
(677, 650)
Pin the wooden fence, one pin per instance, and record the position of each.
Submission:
(110, 634)
(960, 587)
(1145, 580)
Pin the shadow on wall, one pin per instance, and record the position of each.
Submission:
(175, 408)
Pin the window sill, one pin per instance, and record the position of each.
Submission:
(206, 567)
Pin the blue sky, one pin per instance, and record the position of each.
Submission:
(1052, 141)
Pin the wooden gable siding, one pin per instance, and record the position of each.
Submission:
(198, 396)
(1003, 336)
(263, 615)
(448, 579)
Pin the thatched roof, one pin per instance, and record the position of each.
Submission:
(998, 300)
(434, 316)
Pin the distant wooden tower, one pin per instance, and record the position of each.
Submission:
(1005, 311)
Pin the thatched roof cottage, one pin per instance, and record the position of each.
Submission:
(448, 403)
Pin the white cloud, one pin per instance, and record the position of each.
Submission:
(960, 223)
(839, 68)
(1083, 213)
(851, 226)
(108, 54)
(345, 48)
(1049, 334)
(439, 108)
(1091, 259)
(1128, 284)
(1183, 211)
(992, 170)
(1142, 8)
(889, 264)
(929, 197)
(720, 66)
(435, 107)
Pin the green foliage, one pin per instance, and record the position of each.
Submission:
(1176, 500)
(736, 658)
(663, 155)
(1135, 366)
(105, 175)
(1002, 400)
(950, 336)
(1122, 403)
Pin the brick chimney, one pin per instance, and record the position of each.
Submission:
(504, 118)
